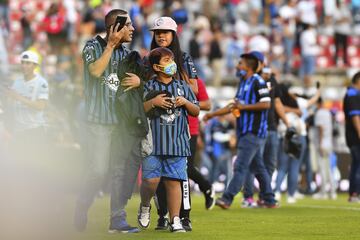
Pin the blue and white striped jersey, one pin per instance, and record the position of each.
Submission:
(171, 130)
(100, 92)
(252, 91)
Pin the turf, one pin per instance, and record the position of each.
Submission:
(307, 219)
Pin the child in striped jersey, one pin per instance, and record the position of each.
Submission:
(170, 136)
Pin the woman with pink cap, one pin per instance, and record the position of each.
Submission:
(165, 35)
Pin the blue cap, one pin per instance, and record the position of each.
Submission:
(258, 55)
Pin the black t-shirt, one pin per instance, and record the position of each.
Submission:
(194, 49)
(215, 51)
(351, 108)
(274, 93)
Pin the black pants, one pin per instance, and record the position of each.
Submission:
(194, 174)
(341, 43)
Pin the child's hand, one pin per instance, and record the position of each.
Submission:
(180, 101)
(162, 101)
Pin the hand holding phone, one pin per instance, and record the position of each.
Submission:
(120, 22)
(115, 34)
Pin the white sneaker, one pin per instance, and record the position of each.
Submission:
(320, 196)
(176, 226)
(248, 203)
(333, 196)
(277, 196)
(354, 198)
(144, 217)
(291, 200)
(298, 195)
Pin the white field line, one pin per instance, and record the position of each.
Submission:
(326, 207)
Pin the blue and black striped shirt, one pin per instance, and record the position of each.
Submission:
(189, 66)
(252, 91)
(171, 131)
(100, 92)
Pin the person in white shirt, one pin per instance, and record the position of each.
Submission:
(259, 43)
(296, 109)
(342, 22)
(323, 123)
(309, 51)
(288, 14)
(307, 11)
(28, 97)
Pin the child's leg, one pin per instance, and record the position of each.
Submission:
(147, 190)
(174, 171)
(174, 196)
(151, 170)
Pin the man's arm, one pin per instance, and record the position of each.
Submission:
(98, 67)
(297, 111)
(356, 122)
(259, 106)
(280, 110)
(219, 112)
(314, 99)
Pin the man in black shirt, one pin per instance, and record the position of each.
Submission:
(352, 133)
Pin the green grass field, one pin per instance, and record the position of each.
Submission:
(307, 219)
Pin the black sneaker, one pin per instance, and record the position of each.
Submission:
(186, 224)
(210, 198)
(119, 225)
(163, 223)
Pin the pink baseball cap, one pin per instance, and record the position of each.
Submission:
(164, 23)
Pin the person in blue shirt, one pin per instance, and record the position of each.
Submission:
(174, 101)
(253, 101)
(352, 133)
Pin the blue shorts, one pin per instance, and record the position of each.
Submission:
(165, 166)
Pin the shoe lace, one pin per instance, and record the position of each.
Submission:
(177, 224)
(145, 212)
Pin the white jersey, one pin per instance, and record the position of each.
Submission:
(26, 117)
(323, 119)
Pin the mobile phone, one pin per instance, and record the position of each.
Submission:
(120, 20)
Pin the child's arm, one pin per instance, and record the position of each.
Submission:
(192, 108)
(159, 101)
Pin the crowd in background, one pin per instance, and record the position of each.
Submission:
(298, 38)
